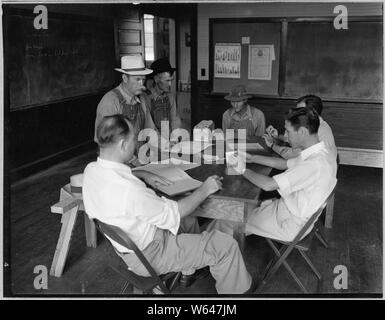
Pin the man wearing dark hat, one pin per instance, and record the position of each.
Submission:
(128, 98)
(242, 115)
(162, 101)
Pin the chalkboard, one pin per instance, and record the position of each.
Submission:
(341, 64)
(73, 57)
(256, 33)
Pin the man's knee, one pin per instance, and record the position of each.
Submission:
(223, 242)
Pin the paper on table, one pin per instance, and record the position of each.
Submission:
(210, 158)
(250, 146)
(182, 182)
(190, 147)
(165, 163)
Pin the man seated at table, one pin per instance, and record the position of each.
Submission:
(304, 186)
(325, 133)
(112, 194)
(241, 115)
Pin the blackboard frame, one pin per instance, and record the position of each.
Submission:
(285, 24)
(8, 12)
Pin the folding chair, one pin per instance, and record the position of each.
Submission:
(166, 283)
(301, 245)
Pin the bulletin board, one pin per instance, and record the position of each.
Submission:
(256, 44)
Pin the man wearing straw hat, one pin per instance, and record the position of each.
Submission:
(128, 98)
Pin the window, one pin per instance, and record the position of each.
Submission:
(149, 38)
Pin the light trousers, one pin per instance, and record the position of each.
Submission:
(194, 250)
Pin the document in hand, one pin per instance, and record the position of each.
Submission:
(182, 182)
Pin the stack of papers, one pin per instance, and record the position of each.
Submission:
(182, 182)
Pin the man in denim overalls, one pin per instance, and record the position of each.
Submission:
(161, 100)
(128, 97)
(242, 116)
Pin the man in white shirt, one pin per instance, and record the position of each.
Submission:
(112, 194)
(325, 133)
(304, 186)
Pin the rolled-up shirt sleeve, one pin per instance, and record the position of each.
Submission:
(159, 211)
(297, 177)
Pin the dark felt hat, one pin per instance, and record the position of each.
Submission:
(161, 65)
(237, 93)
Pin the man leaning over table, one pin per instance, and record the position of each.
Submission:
(325, 133)
(112, 194)
(304, 186)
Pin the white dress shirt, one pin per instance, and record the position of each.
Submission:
(325, 134)
(113, 195)
(306, 184)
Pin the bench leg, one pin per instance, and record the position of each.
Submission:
(90, 228)
(329, 212)
(68, 221)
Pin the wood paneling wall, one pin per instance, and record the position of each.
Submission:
(41, 136)
(355, 125)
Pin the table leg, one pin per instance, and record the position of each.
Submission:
(90, 228)
(240, 228)
(329, 212)
(239, 234)
(68, 221)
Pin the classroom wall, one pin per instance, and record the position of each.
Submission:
(357, 127)
(184, 51)
(42, 135)
(267, 10)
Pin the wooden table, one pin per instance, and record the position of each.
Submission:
(234, 202)
(237, 199)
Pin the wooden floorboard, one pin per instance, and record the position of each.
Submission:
(354, 241)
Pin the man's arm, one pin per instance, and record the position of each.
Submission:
(176, 121)
(188, 204)
(266, 183)
(225, 121)
(273, 162)
(145, 102)
(108, 106)
(286, 152)
(259, 123)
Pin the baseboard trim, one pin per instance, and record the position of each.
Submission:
(46, 162)
(361, 157)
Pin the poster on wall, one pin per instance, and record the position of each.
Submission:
(261, 59)
(227, 60)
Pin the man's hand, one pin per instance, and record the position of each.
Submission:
(249, 158)
(212, 185)
(272, 132)
(154, 180)
(269, 140)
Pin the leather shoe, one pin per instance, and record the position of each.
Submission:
(188, 280)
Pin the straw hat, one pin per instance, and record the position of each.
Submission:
(133, 65)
